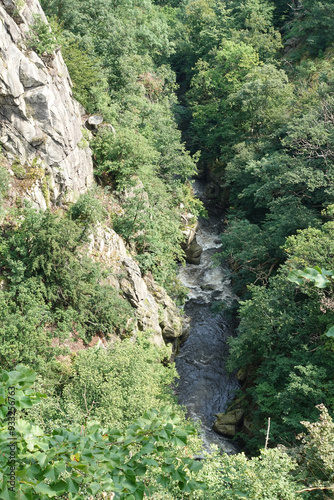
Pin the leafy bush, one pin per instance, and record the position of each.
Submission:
(121, 156)
(266, 477)
(118, 384)
(4, 185)
(87, 210)
(316, 453)
(86, 460)
(4, 181)
(25, 327)
(40, 38)
(46, 273)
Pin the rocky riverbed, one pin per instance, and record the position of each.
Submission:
(205, 388)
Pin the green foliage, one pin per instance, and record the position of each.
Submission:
(119, 157)
(266, 477)
(118, 384)
(149, 195)
(313, 25)
(52, 287)
(40, 38)
(281, 185)
(251, 22)
(87, 210)
(24, 327)
(4, 181)
(289, 345)
(82, 461)
(90, 85)
(151, 225)
(213, 83)
(4, 185)
(315, 455)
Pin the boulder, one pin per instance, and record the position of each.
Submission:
(227, 430)
(95, 120)
(189, 231)
(193, 253)
(190, 246)
(228, 423)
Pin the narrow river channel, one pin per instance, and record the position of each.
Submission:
(205, 388)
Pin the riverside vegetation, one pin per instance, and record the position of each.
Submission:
(250, 84)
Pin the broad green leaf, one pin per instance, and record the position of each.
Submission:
(294, 277)
(139, 493)
(60, 487)
(44, 489)
(72, 486)
(94, 487)
(41, 458)
(130, 476)
(150, 461)
(140, 470)
(330, 332)
(20, 495)
(4, 494)
(195, 466)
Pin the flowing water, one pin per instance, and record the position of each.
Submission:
(205, 388)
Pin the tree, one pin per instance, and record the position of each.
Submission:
(312, 24)
(82, 461)
(214, 81)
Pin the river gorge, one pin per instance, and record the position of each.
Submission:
(205, 388)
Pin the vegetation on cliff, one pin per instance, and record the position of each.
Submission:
(250, 84)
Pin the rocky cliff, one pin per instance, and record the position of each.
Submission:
(40, 122)
(155, 310)
(41, 140)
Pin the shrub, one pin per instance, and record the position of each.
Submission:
(4, 185)
(40, 37)
(83, 461)
(45, 271)
(87, 210)
(120, 383)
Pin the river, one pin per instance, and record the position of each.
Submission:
(205, 388)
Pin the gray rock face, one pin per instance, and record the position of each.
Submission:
(155, 310)
(190, 246)
(228, 423)
(39, 119)
(40, 134)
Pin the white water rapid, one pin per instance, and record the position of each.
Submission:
(205, 388)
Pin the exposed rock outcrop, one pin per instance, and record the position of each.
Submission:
(155, 310)
(190, 246)
(228, 423)
(40, 122)
(48, 157)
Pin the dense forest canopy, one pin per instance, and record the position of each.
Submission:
(243, 91)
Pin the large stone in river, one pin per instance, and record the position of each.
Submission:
(225, 430)
(193, 253)
(227, 423)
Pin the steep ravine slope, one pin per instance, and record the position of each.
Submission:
(40, 122)
(50, 163)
